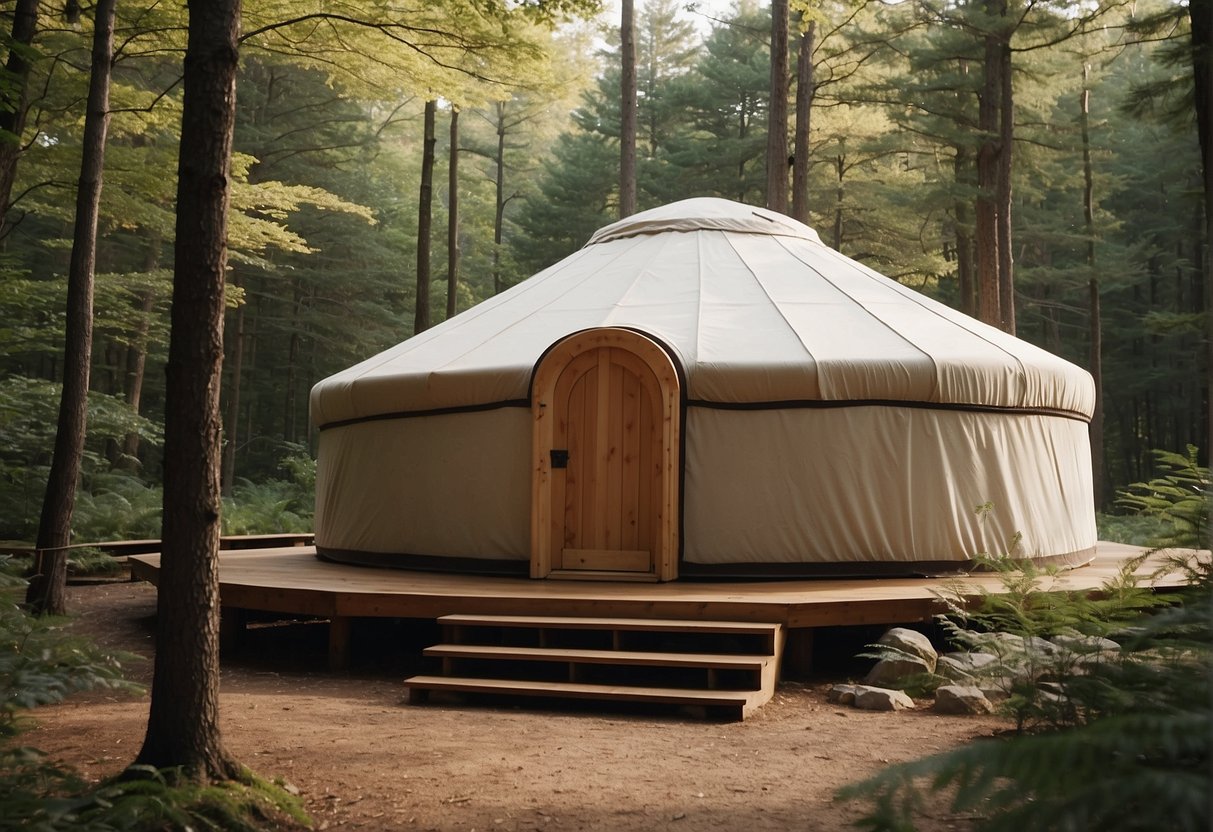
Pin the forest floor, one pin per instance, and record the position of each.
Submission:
(361, 758)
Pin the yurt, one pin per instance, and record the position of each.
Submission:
(705, 390)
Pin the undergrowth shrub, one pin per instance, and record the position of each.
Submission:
(41, 664)
(1110, 740)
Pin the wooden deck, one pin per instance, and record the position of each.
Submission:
(292, 580)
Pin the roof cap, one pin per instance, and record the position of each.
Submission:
(705, 214)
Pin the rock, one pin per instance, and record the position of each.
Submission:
(963, 667)
(1003, 644)
(997, 690)
(1085, 644)
(961, 699)
(912, 642)
(920, 658)
(842, 694)
(1040, 646)
(894, 672)
(881, 699)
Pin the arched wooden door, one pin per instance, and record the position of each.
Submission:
(605, 408)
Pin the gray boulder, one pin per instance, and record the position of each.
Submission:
(895, 672)
(842, 694)
(1085, 644)
(913, 643)
(869, 698)
(963, 667)
(916, 657)
(961, 699)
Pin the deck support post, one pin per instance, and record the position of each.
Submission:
(339, 642)
(798, 654)
(231, 628)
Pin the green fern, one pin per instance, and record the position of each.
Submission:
(1125, 744)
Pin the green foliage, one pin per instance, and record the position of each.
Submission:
(1137, 754)
(275, 506)
(92, 562)
(1120, 740)
(1134, 529)
(1179, 498)
(41, 795)
(41, 664)
(117, 505)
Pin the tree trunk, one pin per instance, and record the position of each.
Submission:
(964, 239)
(839, 193)
(292, 365)
(183, 723)
(425, 222)
(231, 423)
(1095, 328)
(627, 111)
(15, 99)
(777, 111)
(47, 590)
(452, 223)
(136, 354)
(499, 213)
(989, 305)
(499, 216)
(1201, 14)
(804, 113)
(1006, 135)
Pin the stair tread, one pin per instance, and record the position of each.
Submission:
(588, 623)
(628, 657)
(582, 690)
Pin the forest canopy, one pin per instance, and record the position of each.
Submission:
(1102, 184)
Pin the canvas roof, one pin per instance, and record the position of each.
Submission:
(756, 309)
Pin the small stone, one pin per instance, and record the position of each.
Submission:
(1085, 644)
(888, 673)
(912, 642)
(842, 694)
(881, 699)
(961, 699)
(1041, 646)
(962, 667)
(996, 690)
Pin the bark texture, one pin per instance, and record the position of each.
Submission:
(1095, 322)
(452, 225)
(47, 591)
(627, 111)
(1201, 14)
(16, 101)
(804, 122)
(425, 221)
(183, 723)
(989, 302)
(777, 112)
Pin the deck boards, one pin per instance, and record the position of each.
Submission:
(293, 580)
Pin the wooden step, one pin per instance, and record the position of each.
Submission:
(664, 625)
(738, 704)
(725, 661)
(739, 677)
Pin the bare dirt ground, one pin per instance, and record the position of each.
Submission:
(363, 759)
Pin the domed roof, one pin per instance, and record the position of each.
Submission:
(755, 308)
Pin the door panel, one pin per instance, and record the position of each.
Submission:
(606, 423)
(606, 416)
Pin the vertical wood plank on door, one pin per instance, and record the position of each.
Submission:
(590, 473)
(632, 392)
(602, 459)
(612, 516)
(574, 475)
(648, 469)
